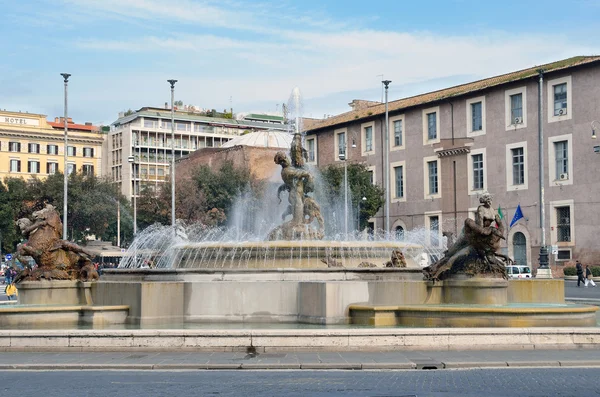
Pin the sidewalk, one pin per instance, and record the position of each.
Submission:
(293, 360)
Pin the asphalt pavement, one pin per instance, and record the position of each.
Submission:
(519, 382)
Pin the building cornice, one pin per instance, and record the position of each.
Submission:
(50, 136)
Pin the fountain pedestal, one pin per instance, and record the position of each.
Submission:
(465, 290)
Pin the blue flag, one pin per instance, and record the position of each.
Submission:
(518, 215)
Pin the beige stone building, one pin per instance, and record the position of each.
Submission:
(449, 146)
(32, 146)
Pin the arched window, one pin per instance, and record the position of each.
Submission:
(520, 249)
(399, 233)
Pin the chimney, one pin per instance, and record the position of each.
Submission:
(88, 123)
(56, 119)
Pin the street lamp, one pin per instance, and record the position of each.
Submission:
(594, 128)
(172, 83)
(131, 160)
(386, 161)
(66, 176)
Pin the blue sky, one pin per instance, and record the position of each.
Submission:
(251, 54)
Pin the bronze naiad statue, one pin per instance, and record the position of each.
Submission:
(303, 208)
(474, 253)
(56, 259)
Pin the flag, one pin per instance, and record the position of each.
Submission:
(518, 215)
(500, 214)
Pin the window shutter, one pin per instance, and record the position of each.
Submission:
(29, 166)
(47, 168)
(38, 169)
(18, 146)
(92, 151)
(92, 168)
(18, 165)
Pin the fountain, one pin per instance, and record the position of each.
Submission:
(297, 272)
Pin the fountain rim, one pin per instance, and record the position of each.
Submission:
(298, 244)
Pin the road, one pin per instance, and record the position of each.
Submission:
(529, 382)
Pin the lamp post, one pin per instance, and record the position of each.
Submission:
(172, 83)
(66, 174)
(544, 269)
(386, 161)
(134, 198)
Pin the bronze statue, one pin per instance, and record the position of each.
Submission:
(298, 182)
(474, 252)
(56, 259)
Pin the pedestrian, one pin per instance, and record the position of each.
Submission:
(589, 278)
(11, 291)
(579, 273)
(8, 278)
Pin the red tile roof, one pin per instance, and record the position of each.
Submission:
(73, 126)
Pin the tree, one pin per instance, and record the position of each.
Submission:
(359, 181)
(128, 112)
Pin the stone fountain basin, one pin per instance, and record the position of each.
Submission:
(290, 254)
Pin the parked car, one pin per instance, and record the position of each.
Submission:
(518, 271)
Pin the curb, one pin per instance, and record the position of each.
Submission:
(299, 366)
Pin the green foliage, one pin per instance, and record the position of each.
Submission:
(128, 112)
(359, 180)
(92, 205)
(570, 271)
(595, 271)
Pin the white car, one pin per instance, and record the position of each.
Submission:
(518, 271)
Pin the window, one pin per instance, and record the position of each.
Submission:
(560, 102)
(150, 123)
(15, 165)
(369, 139)
(14, 146)
(51, 168)
(88, 169)
(33, 167)
(371, 176)
(516, 108)
(399, 233)
(563, 224)
(433, 177)
(341, 145)
(476, 117)
(434, 230)
(399, 179)
(561, 158)
(161, 172)
(52, 149)
(560, 99)
(398, 133)
(70, 168)
(88, 152)
(431, 126)
(477, 171)
(518, 166)
(71, 151)
(152, 171)
(34, 147)
(181, 126)
(310, 143)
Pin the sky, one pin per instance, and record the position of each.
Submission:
(249, 55)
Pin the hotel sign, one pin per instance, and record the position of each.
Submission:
(20, 121)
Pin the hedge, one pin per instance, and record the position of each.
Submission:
(572, 271)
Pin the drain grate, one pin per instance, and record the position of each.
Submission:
(424, 363)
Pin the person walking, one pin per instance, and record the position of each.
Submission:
(579, 273)
(589, 278)
(11, 291)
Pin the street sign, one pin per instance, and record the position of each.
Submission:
(8, 257)
(555, 249)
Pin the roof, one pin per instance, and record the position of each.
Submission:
(270, 139)
(264, 117)
(451, 92)
(191, 116)
(73, 126)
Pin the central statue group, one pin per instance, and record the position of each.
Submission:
(298, 182)
(475, 251)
